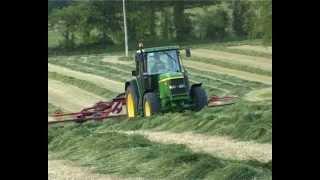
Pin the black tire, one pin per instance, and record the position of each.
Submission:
(153, 101)
(130, 89)
(199, 98)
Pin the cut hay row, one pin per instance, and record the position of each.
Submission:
(103, 82)
(259, 95)
(226, 56)
(253, 48)
(70, 97)
(243, 65)
(240, 74)
(219, 146)
(135, 156)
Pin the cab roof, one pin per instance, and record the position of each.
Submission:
(162, 48)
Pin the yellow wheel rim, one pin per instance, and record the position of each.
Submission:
(147, 109)
(130, 106)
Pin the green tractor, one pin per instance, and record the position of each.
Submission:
(161, 84)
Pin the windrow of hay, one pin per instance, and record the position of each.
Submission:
(116, 154)
(220, 146)
(241, 121)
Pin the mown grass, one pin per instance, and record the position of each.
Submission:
(242, 121)
(223, 46)
(136, 156)
(85, 85)
(232, 65)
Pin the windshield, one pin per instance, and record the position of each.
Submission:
(163, 62)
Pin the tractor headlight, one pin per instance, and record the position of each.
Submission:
(176, 86)
(172, 86)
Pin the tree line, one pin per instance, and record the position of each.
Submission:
(101, 22)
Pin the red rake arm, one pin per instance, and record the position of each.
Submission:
(220, 101)
(99, 111)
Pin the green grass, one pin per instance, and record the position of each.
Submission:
(135, 156)
(242, 121)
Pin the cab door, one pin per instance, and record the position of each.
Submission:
(141, 78)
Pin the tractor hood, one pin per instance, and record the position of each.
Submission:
(169, 76)
(172, 85)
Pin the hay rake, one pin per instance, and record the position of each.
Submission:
(116, 108)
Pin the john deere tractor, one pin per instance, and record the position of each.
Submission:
(161, 84)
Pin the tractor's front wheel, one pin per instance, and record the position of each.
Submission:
(131, 101)
(199, 98)
(151, 104)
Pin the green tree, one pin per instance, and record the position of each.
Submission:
(215, 24)
(66, 20)
(262, 22)
(241, 17)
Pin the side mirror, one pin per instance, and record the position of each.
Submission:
(188, 52)
(134, 73)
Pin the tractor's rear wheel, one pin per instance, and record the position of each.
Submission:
(131, 101)
(199, 98)
(151, 104)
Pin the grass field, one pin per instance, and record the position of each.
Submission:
(244, 130)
